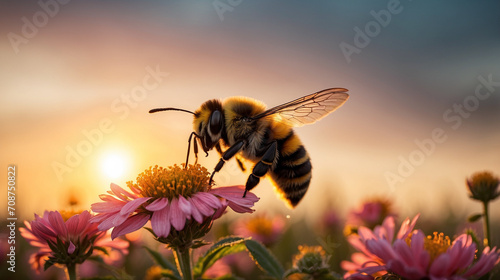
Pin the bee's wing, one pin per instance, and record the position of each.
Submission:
(308, 109)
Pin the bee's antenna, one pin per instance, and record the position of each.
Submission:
(169, 109)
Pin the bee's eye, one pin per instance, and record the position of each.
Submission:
(215, 122)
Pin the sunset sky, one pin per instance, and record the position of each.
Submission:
(77, 81)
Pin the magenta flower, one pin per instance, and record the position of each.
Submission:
(65, 239)
(172, 198)
(415, 256)
(365, 260)
(369, 214)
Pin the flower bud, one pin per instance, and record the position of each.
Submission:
(483, 186)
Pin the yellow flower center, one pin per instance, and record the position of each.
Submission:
(66, 214)
(435, 245)
(172, 181)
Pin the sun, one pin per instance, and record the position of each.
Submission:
(114, 164)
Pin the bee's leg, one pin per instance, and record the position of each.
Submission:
(195, 148)
(261, 168)
(238, 159)
(240, 164)
(228, 154)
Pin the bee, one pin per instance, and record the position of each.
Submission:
(245, 129)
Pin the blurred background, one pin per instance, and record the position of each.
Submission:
(78, 78)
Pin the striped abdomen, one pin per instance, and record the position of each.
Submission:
(292, 172)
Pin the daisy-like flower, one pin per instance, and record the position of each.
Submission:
(370, 214)
(179, 202)
(261, 228)
(66, 238)
(433, 257)
(365, 260)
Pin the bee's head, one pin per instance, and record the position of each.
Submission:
(208, 123)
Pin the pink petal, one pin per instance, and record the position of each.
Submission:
(357, 243)
(239, 208)
(195, 213)
(185, 206)
(160, 222)
(366, 234)
(119, 219)
(202, 207)
(106, 207)
(177, 217)
(109, 198)
(72, 224)
(382, 249)
(107, 222)
(219, 212)
(485, 263)
(407, 227)
(121, 193)
(373, 269)
(132, 205)
(461, 252)
(235, 194)
(101, 217)
(422, 257)
(43, 232)
(404, 252)
(131, 224)
(389, 226)
(71, 248)
(77, 224)
(157, 204)
(348, 266)
(57, 223)
(440, 266)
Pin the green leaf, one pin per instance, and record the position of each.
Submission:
(198, 244)
(225, 246)
(474, 218)
(151, 231)
(264, 259)
(164, 263)
(102, 249)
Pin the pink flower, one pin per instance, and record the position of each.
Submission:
(261, 228)
(71, 235)
(170, 198)
(367, 261)
(370, 214)
(415, 256)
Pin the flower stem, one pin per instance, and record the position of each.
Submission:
(183, 260)
(486, 225)
(71, 272)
